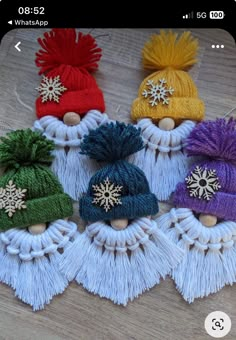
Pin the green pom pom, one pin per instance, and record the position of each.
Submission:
(25, 147)
(111, 142)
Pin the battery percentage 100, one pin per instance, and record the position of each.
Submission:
(216, 14)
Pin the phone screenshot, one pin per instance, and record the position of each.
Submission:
(117, 171)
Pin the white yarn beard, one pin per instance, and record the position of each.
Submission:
(73, 169)
(30, 263)
(120, 265)
(163, 160)
(210, 253)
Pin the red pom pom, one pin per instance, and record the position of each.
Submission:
(65, 46)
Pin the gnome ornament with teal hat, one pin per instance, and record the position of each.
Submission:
(70, 103)
(122, 252)
(203, 223)
(34, 229)
(166, 110)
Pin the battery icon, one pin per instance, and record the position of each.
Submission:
(217, 14)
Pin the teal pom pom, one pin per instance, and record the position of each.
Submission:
(112, 142)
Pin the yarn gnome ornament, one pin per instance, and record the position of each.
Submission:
(33, 228)
(204, 222)
(70, 104)
(121, 253)
(166, 110)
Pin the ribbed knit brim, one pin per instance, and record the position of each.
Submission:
(80, 101)
(222, 205)
(132, 207)
(38, 210)
(179, 108)
(135, 195)
(44, 197)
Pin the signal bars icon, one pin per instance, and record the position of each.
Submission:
(189, 16)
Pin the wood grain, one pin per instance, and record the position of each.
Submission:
(160, 313)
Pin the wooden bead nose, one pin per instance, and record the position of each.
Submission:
(119, 224)
(166, 124)
(208, 220)
(37, 229)
(71, 118)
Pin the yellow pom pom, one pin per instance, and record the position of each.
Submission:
(167, 49)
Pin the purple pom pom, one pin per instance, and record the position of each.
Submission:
(215, 139)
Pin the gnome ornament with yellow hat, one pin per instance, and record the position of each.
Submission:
(166, 110)
(122, 252)
(70, 103)
(204, 222)
(34, 229)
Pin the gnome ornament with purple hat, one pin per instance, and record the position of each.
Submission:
(122, 252)
(204, 222)
(70, 103)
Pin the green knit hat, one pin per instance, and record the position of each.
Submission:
(119, 189)
(29, 191)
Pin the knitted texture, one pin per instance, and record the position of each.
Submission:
(112, 143)
(72, 57)
(26, 155)
(216, 141)
(171, 56)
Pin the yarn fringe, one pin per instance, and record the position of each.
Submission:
(16, 149)
(120, 265)
(73, 169)
(29, 263)
(168, 49)
(112, 142)
(66, 46)
(209, 262)
(9, 259)
(216, 139)
(163, 159)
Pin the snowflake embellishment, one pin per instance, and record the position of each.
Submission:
(107, 194)
(51, 89)
(157, 93)
(11, 198)
(202, 183)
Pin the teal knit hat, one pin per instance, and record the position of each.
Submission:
(120, 189)
(29, 191)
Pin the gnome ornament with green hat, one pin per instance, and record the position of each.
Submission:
(34, 229)
(122, 252)
(70, 103)
(203, 223)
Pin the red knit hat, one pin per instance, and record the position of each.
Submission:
(67, 86)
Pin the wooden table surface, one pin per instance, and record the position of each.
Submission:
(160, 313)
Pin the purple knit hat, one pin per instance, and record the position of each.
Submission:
(210, 186)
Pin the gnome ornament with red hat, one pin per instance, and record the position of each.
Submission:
(204, 222)
(70, 103)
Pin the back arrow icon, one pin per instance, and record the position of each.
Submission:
(17, 46)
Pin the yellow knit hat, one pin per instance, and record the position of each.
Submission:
(169, 92)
